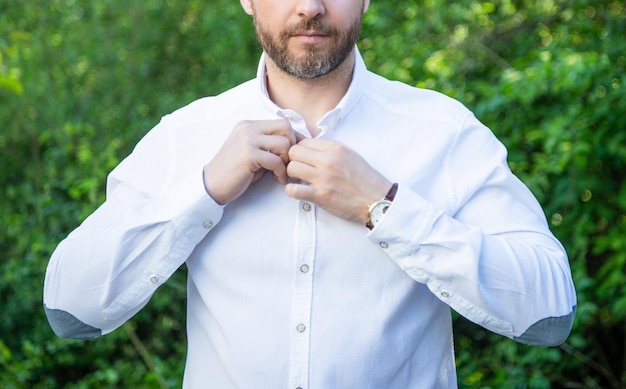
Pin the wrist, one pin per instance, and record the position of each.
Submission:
(206, 177)
(377, 209)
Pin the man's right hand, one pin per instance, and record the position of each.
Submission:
(252, 148)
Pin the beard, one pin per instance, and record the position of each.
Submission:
(316, 61)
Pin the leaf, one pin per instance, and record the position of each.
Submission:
(11, 84)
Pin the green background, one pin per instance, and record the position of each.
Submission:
(82, 81)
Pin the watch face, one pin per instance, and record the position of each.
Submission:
(378, 211)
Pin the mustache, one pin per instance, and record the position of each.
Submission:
(309, 25)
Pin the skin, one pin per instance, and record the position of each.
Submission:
(339, 180)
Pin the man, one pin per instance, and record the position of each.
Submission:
(328, 218)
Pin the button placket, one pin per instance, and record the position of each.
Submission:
(302, 295)
(306, 207)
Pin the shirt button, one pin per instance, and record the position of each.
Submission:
(154, 278)
(301, 327)
(306, 207)
(383, 245)
(304, 268)
(207, 224)
(444, 294)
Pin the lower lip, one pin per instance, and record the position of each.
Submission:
(310, 39)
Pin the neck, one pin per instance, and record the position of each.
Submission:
(311, 98)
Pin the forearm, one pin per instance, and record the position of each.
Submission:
(108, 268)
(507, 280)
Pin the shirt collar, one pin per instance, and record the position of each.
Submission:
(332, 118)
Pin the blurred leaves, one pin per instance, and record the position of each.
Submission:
(81, 82)
(9, 75)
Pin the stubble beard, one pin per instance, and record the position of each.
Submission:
(316, 61)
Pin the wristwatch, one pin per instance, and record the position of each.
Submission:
(377, 210)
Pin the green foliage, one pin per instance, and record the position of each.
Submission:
(549, 79)
(94, 78)
(9, 75)
(81, 82)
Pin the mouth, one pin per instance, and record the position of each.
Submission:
(309, 36)
(309, 33)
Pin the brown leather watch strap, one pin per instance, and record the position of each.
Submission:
(392, 192)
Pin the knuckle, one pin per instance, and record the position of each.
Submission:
(329, 164)
(243, 125)
(292, 168)
(284, 145)
(340, 150)
(324, 195)
(293, 151)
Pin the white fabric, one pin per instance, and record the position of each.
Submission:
(369, 309)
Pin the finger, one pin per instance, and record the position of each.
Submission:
(272, 162)
(249, 132)
(302, 153)
(277, 136)
(280, 127)
(318, 144)
(300, 191)
(301, 171)
(276, 144)
(320, 153)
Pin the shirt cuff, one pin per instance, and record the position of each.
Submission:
(194, 211)
(406, 221)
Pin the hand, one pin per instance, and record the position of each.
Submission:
(252, 148)
(339, 180)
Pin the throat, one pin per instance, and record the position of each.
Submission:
(311, 98)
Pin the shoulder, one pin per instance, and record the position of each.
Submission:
(214, 107)
(404, 99)
(205, 121)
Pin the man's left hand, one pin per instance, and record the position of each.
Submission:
(335, 178)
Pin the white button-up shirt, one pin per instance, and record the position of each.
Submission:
(282, 294)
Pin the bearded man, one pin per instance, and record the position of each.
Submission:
(329, 219)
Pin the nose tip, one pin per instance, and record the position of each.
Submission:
(311, 8)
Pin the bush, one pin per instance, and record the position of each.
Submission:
(80, 83)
